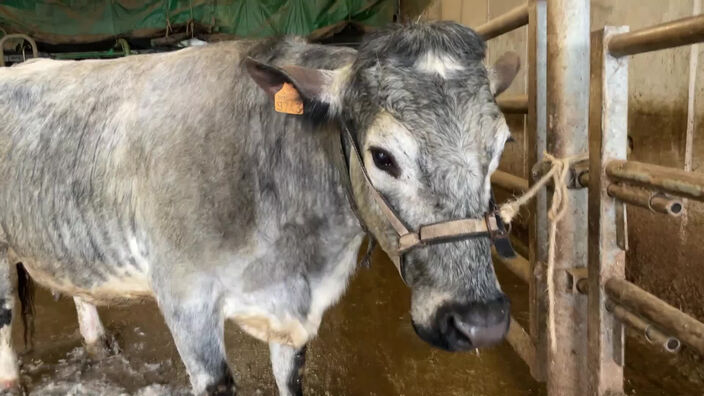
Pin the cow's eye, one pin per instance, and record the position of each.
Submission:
(385, 161)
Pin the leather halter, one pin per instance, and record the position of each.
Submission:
(489, 226)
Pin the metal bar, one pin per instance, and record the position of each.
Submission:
(513, 19)
(518, 265)
(694, 51)
(661, 178)
(652, 335)
(670, 319)
(568, 112)
(574, 276)
(519, 246)
(111, 53)
(577, 170)
(676, 33)
(509, 182)
(521, 342)
(608, 134)
(35, 51)
(655, 201)
(536, 126)
(513, 104)
(583, 179)
(583, 285)
(124, 45)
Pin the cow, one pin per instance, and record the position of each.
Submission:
(172, 176)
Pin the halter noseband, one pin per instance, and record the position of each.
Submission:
(490, 226)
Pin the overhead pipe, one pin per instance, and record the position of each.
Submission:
(655, 201)
(665, 316)
(509, 182)
(518, 265)
(513, 104)
(511, 20)
(521, 342)
(652, 335)
(660, 178)
(671, 34)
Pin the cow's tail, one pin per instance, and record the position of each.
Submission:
(25, 290)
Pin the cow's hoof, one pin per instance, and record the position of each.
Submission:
(221, 391)
(105, 346)
(224, 387)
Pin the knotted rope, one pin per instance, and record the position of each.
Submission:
(559, 170)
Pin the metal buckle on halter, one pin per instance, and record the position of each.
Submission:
(499, 235)
(493, 228)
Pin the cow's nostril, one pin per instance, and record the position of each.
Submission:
(448, 323)
(474, 325)
(455, 336)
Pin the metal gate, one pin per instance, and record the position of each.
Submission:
(586, 102)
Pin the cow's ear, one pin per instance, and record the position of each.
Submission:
(503, 72)
(318, 88)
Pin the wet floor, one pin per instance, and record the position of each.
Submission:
(366, 346)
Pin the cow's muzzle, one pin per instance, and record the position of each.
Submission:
(458, 327)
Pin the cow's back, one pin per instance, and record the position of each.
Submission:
(82, 144)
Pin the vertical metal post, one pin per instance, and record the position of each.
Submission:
(567, 123)
(537, 229)
(608, 141)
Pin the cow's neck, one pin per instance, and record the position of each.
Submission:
(313, 236)
(301, 186)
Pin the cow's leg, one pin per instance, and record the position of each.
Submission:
(287, 363)
(97, 343)
(9, 372)
(196, 325)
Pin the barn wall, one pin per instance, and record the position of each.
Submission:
(666, 255)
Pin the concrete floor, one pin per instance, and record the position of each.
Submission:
(366, 346)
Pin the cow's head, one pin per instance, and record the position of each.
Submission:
(420, 103)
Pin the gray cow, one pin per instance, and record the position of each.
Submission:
(171, 176)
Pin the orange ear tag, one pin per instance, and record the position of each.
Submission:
(287, 100)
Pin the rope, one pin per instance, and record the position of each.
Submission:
(559, 170)
(191, 22)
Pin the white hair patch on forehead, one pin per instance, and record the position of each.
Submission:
(441, 64)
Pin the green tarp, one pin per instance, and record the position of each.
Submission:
(66, 21)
